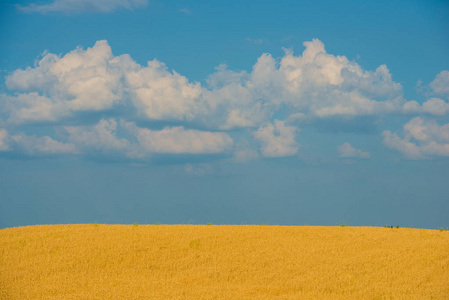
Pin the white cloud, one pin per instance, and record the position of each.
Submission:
(314, 84)
(421, 139)
(65, 89)
(34, 79)
(420, 129)
(409, 149)
(411, 107)
(103, 138)
(230, 103)
(82, 80)
(177, 140)
(96, 80)
(100, 138)
(440, 85)
(433, 106)
(277, 139)
(160, 95)
(36, 146)
(346, 150)
(234, 106)
(80, 6)
(32, 107)
(223, 77)
(436, 107)
(321, 84)
(4, 140)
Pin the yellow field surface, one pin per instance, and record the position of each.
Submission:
(222, 262)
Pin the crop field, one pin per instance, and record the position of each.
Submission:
(96, 261)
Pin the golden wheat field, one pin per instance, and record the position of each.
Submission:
(222, 262)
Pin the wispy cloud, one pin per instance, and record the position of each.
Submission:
(346, 150)
(81, 6)
(255, 41)
(185, 11)
(199, 169)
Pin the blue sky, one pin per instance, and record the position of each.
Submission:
(239, 112)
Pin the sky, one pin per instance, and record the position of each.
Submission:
(229, 112)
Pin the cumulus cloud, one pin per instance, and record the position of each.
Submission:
(440, 85)
(93, 84)
(37, 146)
(177, 140)
(314, 84)
(100, 138)
(433, 106)
(139, 142)
(32, 108)
(421, 138)
(346, 150)
(405, 146)
(90, 80)
(277, 139)
(81, 6)
(436, 106)
(320, 84)
(58, 87)
(133, 142)
(161, 95)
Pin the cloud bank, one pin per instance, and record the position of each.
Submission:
(100, 103)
